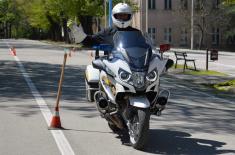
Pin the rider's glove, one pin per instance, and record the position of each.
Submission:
(78, 32)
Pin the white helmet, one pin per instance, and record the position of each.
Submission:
(122, 15)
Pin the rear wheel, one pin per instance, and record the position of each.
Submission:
(138, 128)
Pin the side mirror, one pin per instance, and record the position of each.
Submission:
(98, 64)
(169, 64)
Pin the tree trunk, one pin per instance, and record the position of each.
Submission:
(86, 22)
(201, 40)
(202, 32)
(55, 29)
(8, 30)
(201, 36)
(5, 29)
(65, 29)
(57, 32)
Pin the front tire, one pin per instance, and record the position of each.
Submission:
(138, 128)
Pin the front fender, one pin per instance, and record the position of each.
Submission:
(139, 101)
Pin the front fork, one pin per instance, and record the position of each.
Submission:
(156, 106)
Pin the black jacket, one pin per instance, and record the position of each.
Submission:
(104, 37)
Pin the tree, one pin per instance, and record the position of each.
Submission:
(44, 15)
(8, 16)
(52, 15)
(229, 6)
(207, 14)
(48, 18)
(133, 5)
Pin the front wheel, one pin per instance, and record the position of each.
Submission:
(138, 128)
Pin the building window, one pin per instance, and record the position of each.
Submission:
(167, 4)
(167, 35)
(215, 36)
(184, 37)
(151, 4)
(184, 4)
(152, 33)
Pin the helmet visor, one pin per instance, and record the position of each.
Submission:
(122, 16)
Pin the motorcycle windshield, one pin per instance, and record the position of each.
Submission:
(133, 47)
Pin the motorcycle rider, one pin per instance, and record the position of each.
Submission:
(122, 19)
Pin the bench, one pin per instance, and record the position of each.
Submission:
(183, 56)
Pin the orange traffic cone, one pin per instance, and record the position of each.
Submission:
(55, 121)
(13, 51)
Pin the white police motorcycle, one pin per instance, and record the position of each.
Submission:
(125, 85)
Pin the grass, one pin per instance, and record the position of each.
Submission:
(201, 72)
(225, 86)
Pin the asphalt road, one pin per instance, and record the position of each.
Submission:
(196, 121)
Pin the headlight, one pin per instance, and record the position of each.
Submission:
(152, 76)
(124, 75)
(138, 79)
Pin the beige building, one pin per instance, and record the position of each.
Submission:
(169, 21)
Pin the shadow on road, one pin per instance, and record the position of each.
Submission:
(86, 131)
(45, 77)
(201, 112)
(195, 112)
(178, 143)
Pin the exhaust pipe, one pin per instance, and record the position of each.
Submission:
(101, 102)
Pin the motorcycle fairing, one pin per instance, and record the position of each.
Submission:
(114, 65)
(158, 63)
(134, 49)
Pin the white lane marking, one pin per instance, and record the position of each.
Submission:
(58, 135)
(202, 93)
